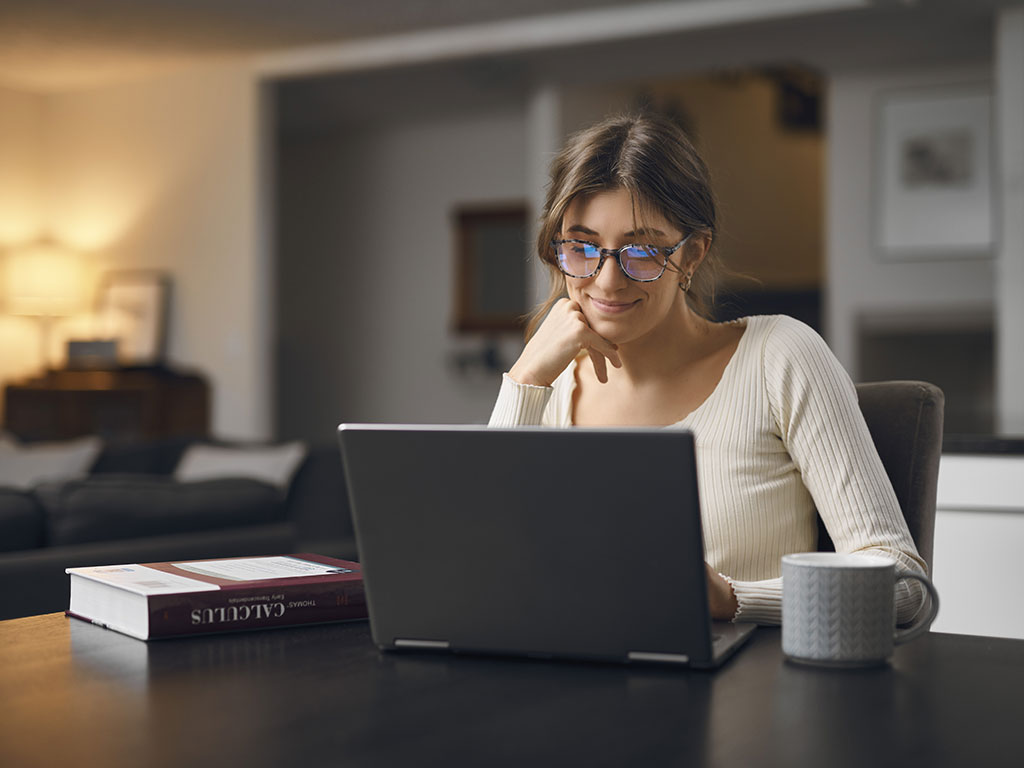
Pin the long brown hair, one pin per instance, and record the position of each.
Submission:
(650, 157)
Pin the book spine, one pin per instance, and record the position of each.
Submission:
(229, 610)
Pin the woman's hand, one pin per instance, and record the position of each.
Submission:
(556, 343)
(721, 598)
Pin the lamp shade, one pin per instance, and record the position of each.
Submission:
(44, 279)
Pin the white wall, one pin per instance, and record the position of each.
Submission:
(859, 282)
(1009, 131)
(162, 174)
(544, 138)
(21, 119)
(979, 528)
(367, 280)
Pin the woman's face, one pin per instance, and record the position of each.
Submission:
(618, 308)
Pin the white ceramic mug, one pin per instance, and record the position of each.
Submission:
(839, 610)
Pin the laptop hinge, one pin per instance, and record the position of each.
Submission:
(673, 658)
(439, 645)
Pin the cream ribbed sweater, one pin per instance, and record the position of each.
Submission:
(780, 436)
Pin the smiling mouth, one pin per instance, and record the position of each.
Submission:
(613, 307)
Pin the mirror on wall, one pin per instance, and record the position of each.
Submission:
(490, 268)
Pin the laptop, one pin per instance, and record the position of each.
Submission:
(550, 543)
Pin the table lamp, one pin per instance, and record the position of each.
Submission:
(44, 280)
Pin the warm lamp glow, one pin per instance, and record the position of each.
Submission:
(44, 279)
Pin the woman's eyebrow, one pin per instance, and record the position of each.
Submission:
(632, 233)
(643, 232)
(582, 230)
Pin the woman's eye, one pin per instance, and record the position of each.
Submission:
(643, 252)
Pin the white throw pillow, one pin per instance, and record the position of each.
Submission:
(25, 465)
(273, 464)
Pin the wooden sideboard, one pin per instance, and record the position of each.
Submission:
(123, 404)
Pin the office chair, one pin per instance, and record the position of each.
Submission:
(905, 421)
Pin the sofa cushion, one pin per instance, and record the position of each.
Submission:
(274, 464)
(23, 465)
(105, 507)
(21, 521)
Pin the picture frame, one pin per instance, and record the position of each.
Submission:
(491, 267)
(132, 308)
(934, 189)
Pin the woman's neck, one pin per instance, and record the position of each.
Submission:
(668, 349)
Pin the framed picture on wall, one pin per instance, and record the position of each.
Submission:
(132, 308)
(933, 196)
(490, 268)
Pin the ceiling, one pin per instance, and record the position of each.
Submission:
(57, 45)
(54, 45)
(889, 36)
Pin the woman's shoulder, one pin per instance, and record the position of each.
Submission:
(771, 325)
(796, 359)
(784, 335)
(789, 348)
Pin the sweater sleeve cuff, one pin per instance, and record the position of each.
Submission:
(519, 405)
(759, 601)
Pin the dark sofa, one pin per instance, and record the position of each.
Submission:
(130, 509)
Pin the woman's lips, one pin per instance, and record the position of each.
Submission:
(613, 307)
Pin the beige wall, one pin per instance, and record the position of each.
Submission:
(163, 174)
(769, 181)
(21, 117)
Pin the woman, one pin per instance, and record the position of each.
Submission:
(626, 340)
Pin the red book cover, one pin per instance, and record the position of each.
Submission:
(170, 599)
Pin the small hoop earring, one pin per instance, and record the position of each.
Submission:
(685, 287)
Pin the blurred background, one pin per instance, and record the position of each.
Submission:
(326, 210)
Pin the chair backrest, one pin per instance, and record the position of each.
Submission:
(905, 421)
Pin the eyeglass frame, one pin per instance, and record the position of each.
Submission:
(617, 253)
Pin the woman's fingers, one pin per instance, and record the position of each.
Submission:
(604, 347)
(601, 353)
(600, 365)
(560, 338)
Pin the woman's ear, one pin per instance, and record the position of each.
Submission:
(695, 250)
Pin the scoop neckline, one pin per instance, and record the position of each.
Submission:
(726, 372)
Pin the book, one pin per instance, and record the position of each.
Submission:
(190, 597)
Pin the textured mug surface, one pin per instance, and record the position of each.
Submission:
(840, 610)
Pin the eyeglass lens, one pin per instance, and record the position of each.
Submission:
(582, 259)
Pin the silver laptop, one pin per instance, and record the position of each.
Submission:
(574, 543)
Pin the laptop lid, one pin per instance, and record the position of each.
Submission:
(582, 543)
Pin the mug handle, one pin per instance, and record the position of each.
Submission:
(918, 629)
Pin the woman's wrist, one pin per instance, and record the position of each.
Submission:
(721, 596)
(732, 604)
(524, 376)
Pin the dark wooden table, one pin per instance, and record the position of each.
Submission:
(75, 694)
(122, 404)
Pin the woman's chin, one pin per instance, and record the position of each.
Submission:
(618, 327)
(615, 332)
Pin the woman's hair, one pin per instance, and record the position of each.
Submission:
(651, 158)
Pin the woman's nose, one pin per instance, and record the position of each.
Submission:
(611, 276)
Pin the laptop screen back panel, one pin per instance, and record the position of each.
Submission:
(582, 543)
